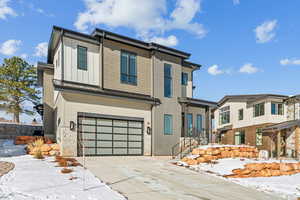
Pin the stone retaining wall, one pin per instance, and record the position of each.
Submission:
(12, 130)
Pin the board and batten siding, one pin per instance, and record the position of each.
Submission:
(71, 72)
(57, 63)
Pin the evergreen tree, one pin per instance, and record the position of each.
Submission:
(18, 84)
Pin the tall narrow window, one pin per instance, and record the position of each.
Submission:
(168, 124)
(241, 114)
(184, 78)
(276, 108)
(128, 68)
(239, 138)
(190, 124)
(259, 109)
(199, 123)
(81, 58)
(224, 115)
(168, 80)
(259, 137)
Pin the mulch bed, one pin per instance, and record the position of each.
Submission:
(5, 167)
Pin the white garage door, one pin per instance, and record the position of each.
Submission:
(107, 136)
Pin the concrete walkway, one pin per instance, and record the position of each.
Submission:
(147, 178)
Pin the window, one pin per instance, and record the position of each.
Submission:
(224, 117)
(239, 138)
(277, 108)
(81, 58)
(241, 114)
(184, 78)
(168, 124)
(259, 109)
(168, 80)
(190, 124)
(259, 136)
(128, 68)
(199, 123)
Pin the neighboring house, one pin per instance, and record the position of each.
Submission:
(257, 120)
(120, 95)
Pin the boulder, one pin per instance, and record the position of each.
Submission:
(55, 147)
(46, 148)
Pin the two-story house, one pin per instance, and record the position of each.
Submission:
(107, 94)
(267, 121)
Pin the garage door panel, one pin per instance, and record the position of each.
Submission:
(87, 128)
(90, 151)
(104, 122)
(120, 137)
(120, 130)
(135, 144)
(101, 136)
(104, 151)
(120, 144)
(89, 136)
(135, 124)
(121, 123)
(134, 151)
(104, 144)
(87, 121)
(135, 131)
(135, 138)
(103, 129)
(120, 151)
(89, 143)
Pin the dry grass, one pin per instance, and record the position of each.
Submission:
(66, 170)
(38, 154)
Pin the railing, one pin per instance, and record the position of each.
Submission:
(190, 141)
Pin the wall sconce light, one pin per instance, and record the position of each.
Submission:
(72, 125)
(148, 130)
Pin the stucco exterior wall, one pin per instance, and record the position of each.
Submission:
(112, 65)
(75, 103)
(71, 72)
(48, 102)
(163, 143)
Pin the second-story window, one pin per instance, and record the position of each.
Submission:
(224, 115)
(168, 80)
(259, 109)
(81, 58)
(241, 114)
(184, 78)
(128, 68)
(276, 108)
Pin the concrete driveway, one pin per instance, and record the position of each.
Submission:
(152, 178)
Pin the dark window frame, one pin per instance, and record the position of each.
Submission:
(278, 111)
(168, 78)
(241, 114)
(85, 68)
(259, 109)
(258, 131)
(184, 78)
(171, 128)
(224, 115)
(131, 79)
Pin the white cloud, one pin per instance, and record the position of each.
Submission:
(265, 31)
(10, 47)
(41, 50)
(149, 21)
(5, 10)
(168, 41)
(236, 2)
(214, 70)
(248, 68)
(290, 61)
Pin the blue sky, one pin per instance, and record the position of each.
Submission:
(244, 46)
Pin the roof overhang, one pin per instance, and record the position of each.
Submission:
(41, 67)
(282, 126)
(94, 90)
(225, 128)
(197, 102)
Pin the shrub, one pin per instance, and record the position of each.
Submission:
(38, 154)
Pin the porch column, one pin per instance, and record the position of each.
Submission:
(297, 142)
(278, 144)
(185, 120)
(208, 123)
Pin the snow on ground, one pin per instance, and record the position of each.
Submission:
(34, 179)
(7, 148)
(286, 186)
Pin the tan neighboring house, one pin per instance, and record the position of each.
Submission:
(268, 121)
(115, 95)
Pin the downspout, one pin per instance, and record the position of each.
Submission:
(62, 55)
(102, 62)
(152, 106)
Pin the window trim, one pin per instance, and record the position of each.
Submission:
(169, 78)
(128, 68)
(201, 125)
(277, 108)
(259, 111)
(187, 78)
(241, 114)
(78, 66)
(222, 110)
(171, 128)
